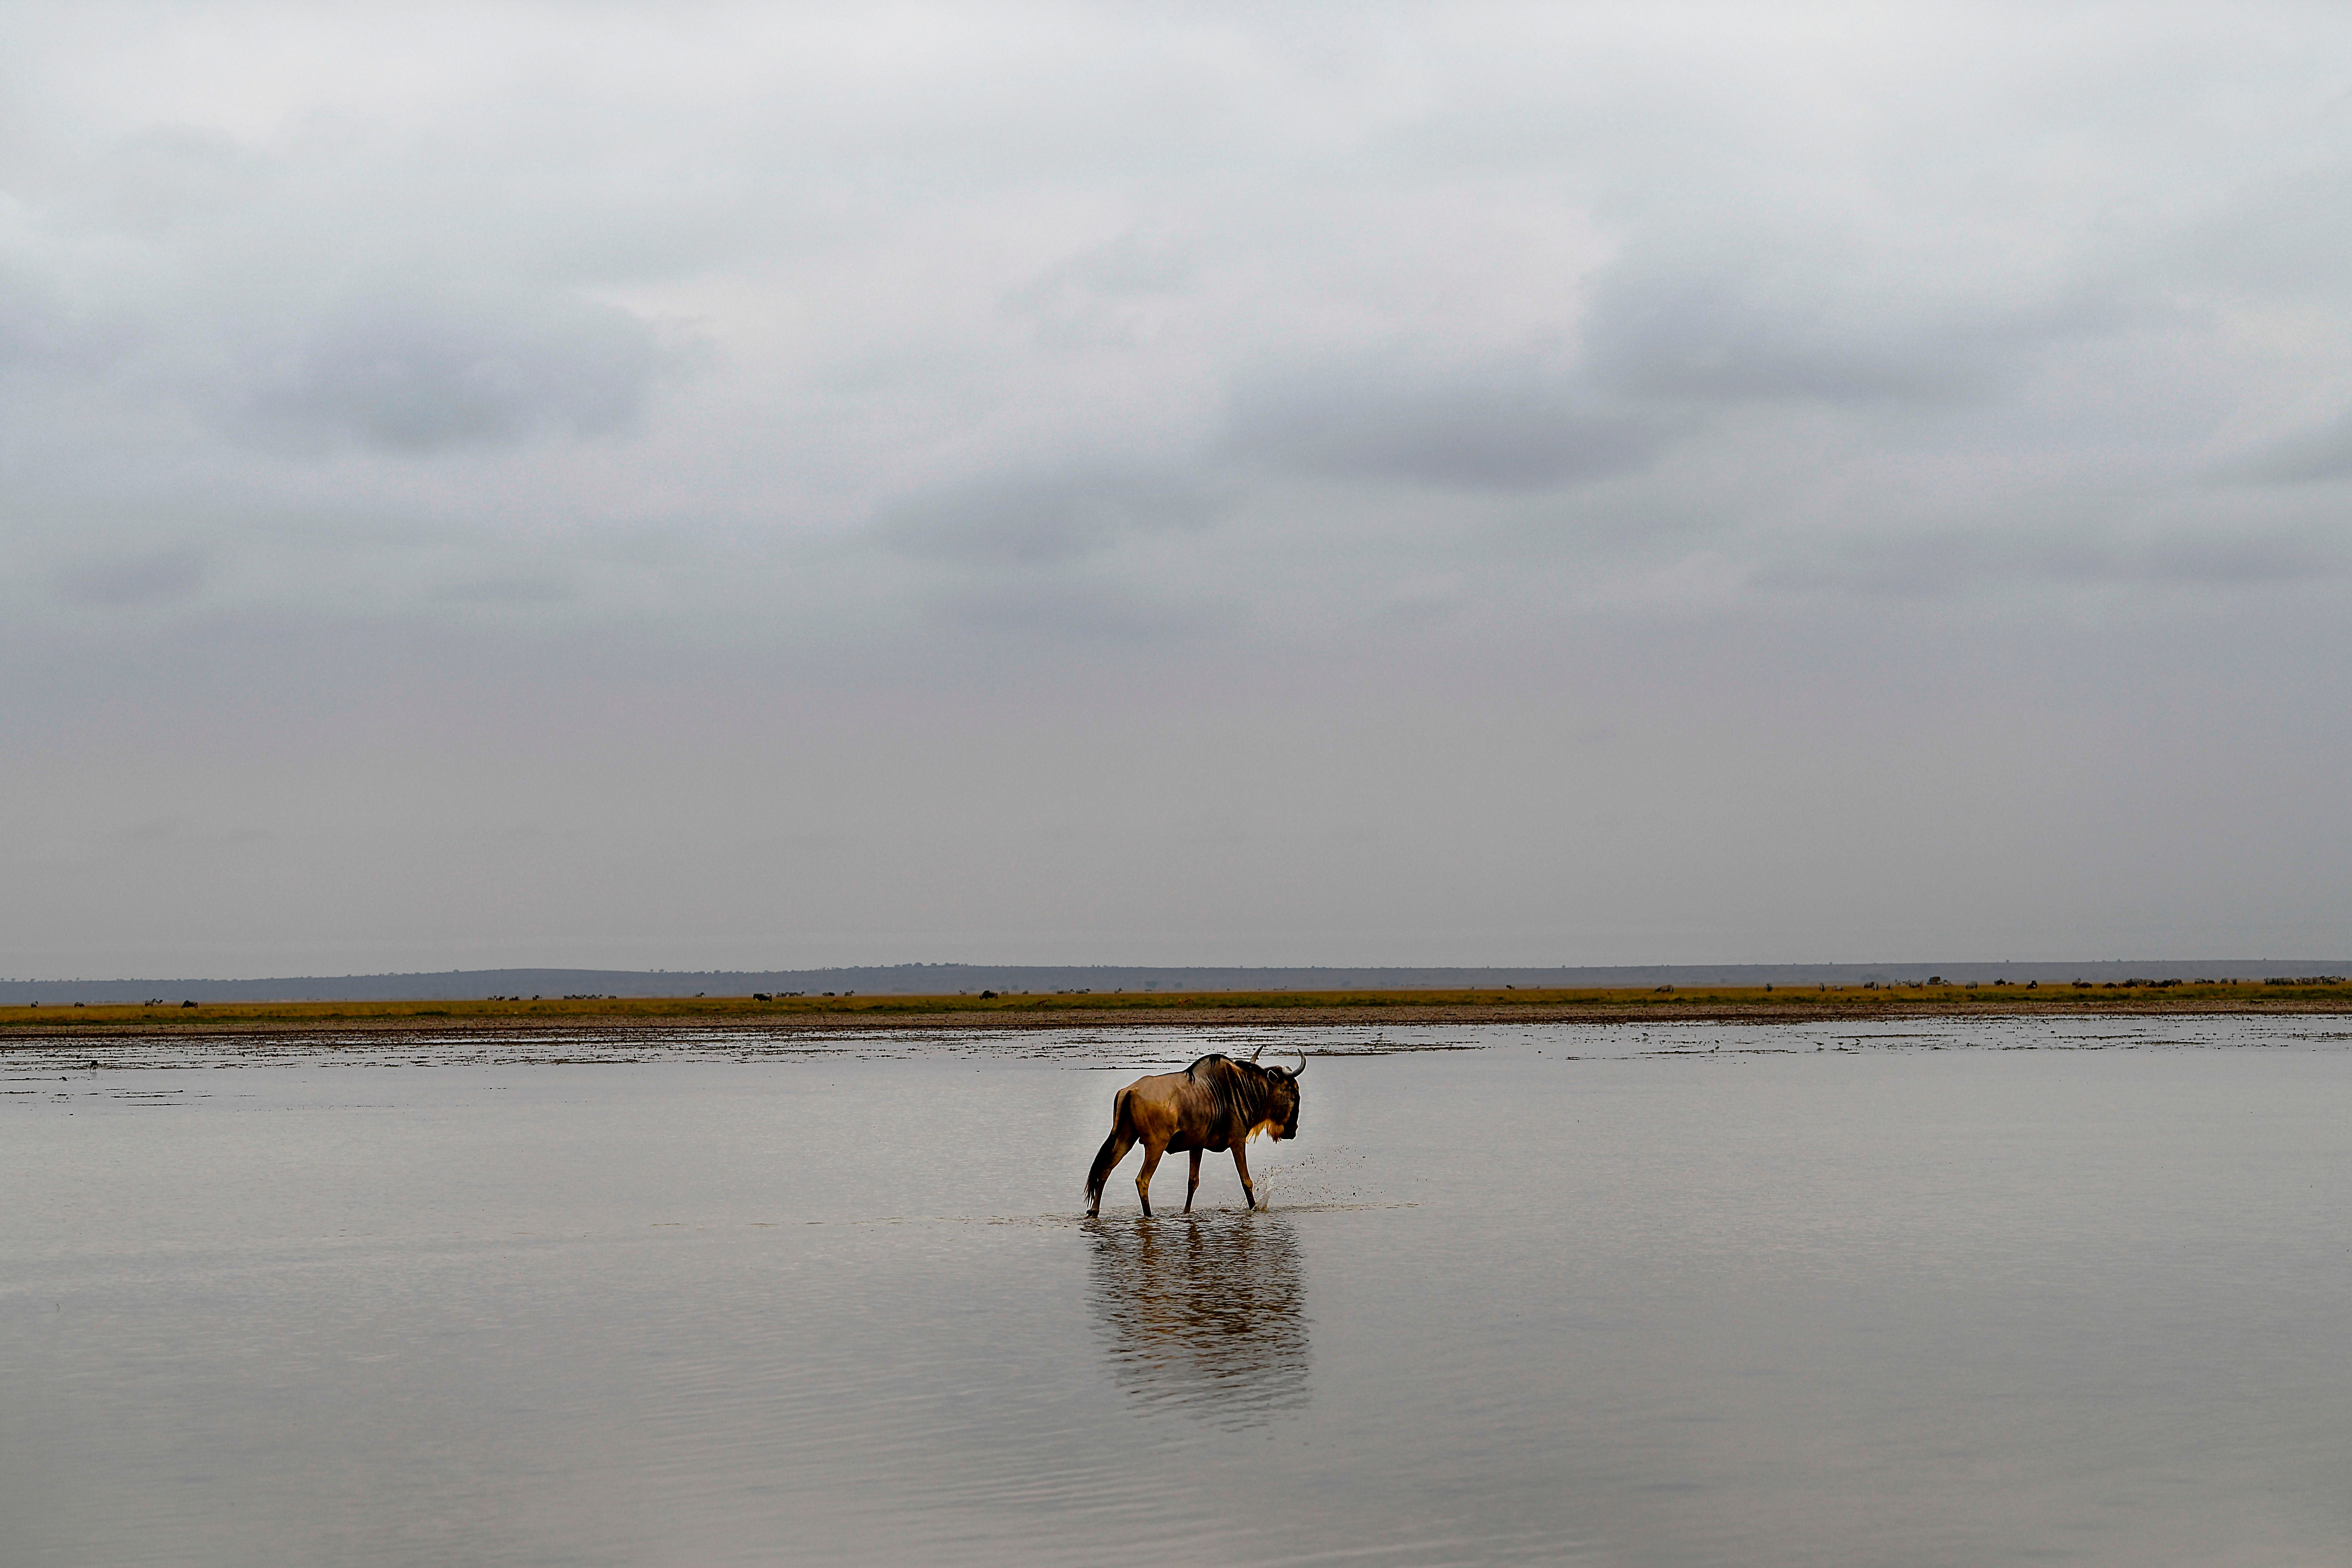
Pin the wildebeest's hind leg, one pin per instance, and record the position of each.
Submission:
(1241, 1164)
(1152, 1152)
(1192, 1183)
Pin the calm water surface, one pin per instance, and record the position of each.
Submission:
(1946, 1293)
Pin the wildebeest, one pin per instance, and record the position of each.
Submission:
(1215, 1104)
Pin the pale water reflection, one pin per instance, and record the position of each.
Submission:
(1942, 1294)
(1203, 1313)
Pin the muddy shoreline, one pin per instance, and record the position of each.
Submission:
(24, 1032)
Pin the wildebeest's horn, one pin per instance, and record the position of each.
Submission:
(1257, 1053)
(1301, 1071)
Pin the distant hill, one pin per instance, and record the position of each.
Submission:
(947, 979)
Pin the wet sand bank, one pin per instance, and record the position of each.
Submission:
(824, 1016)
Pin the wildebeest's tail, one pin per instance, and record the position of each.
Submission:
(1114, 1149)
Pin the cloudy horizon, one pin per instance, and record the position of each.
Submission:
(730, 487)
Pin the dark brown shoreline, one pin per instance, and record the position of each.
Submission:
(49, 1025)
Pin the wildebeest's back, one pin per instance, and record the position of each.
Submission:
(1203, 1122)
(1219, 1107)
(1196, 1108)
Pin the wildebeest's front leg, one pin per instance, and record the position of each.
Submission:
(1152, 1152)
(1241, 1166)
(1192, 1183)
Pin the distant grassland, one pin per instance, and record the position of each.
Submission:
(1145, 1007)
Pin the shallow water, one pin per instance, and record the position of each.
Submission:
(1944, 1292)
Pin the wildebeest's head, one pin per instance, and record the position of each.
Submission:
(1282, 1097)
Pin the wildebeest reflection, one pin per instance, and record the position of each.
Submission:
(1207, 1314)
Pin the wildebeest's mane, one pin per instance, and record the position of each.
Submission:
(1241, 1088)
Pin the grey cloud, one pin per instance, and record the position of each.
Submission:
(152, 578)
(510, 588)
(166, 179)
(31, 322)
(2281, 237)
(1935, 566)
(426, 375)
(2308, 457)
(1079, 611)
(177, 830)
(38, 329)
(1948, 563)
(1044, 518)
(2269, 557)
(1134, 263)
(1705, 341)
(1511, 428)
(1802, 323)
(1111, 294)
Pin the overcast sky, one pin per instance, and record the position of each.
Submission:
(698, 485)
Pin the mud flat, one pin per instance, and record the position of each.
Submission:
(791, 1015)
